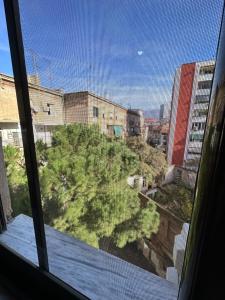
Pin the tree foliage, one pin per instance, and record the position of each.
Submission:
(84, 189)
(177, 198)
(152, 161)
(17, 179)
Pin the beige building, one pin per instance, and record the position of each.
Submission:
(47, 111)
(88, 108)
(52, 107)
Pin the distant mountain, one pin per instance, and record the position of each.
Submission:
(152, 113)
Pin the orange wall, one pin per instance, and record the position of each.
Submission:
(183, 110)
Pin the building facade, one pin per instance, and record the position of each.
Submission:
(88, 108)
(190, 102)
(47, 111)
(51, 108)
(164, 112)
(135, 122)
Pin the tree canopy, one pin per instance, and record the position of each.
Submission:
(152, 161)
(84, 189)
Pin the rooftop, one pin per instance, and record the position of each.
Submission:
(31, 85)
(98, 97)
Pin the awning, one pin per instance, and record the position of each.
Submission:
(118, 130)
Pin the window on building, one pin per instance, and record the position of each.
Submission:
(204, 85)
(196, 137)
(49, 108)
(196, 126)
(95, 111)
(206, 70)
(200, 112)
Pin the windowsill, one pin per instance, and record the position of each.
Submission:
(93, 272)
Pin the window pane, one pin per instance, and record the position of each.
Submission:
(119, 94)
(19, 235)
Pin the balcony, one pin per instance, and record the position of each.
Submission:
(203, 92)
(205, 77)
(93, 272)
(201, 106)
(201, 119)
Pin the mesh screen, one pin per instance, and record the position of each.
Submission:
(119, 94)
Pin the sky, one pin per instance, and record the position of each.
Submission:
(125, 50)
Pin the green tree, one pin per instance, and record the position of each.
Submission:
(17, 179)
(152, 161)
(84, 189)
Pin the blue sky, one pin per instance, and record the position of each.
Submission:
(125, 50)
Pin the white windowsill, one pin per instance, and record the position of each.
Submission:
(93, 272)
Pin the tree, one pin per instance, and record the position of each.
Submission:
(83, 179)
(17, 179)
(84, 189)
(152, 161)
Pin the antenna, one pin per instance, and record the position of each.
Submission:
(34, 57)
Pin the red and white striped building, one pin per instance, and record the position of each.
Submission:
(189, 108)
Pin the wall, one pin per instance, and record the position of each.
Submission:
(76, 108)
(40, 98)
(110, 114)
(182, 114)
(181, 175)
(11, 134)
(8, 103)
(161, 244)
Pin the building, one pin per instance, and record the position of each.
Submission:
(164, 136)
(164, 112)
(135, 122)
(47, 111)
(190, 102)
(88, 108)
(54, 107)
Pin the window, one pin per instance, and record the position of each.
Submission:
(95, 112)
(79, 182)
(198, 126)
(194, 137)
(204, 85)
(200, 112)
(206, 70)
(202, 99)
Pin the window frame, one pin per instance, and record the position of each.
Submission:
(38, 280)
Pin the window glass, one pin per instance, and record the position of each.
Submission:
(118, 93)
(15, 198)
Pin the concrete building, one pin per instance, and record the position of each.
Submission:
(135, 122)
(164, 112)
(53, 107)
(190, 102)
(47, 111)
(88, 108)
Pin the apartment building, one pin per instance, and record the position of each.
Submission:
(47, 111)
(164, 112)
(88, 108)
(190, 103)
(135, 122)
(54, 107)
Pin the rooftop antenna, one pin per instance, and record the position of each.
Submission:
(34, 57)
